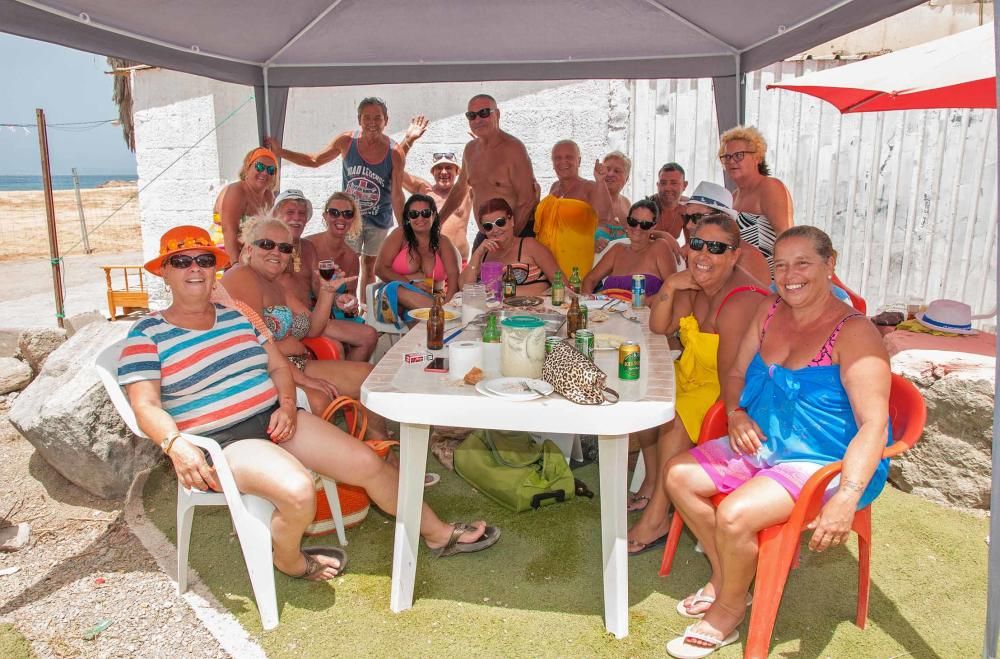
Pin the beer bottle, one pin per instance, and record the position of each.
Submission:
(509, 283)
(573, 316)
(435, 325)
(491, 333)
(575, 283)
(558, 290)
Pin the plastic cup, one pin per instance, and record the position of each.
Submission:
(491, 274)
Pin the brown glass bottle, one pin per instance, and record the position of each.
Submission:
(509, 283)
(573, 316)
(435, 325)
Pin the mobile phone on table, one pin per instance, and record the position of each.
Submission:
(437, 365)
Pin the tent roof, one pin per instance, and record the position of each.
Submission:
(345, 42)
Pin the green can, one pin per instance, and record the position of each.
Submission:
(629, 359)
(551, 343)
(585, 343)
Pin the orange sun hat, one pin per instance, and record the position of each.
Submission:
(183, 238)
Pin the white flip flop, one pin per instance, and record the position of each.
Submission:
(699, 598)
(681, 650)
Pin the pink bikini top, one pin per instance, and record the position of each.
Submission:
(825, 355)
(401, 265)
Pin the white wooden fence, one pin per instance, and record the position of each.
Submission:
(909, 198)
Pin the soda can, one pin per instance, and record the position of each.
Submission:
(629, 359)
(584, 316)
(585, 343)
(638, 291)
(551, 343)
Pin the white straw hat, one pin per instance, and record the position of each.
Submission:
(947, 316)
(714, 196)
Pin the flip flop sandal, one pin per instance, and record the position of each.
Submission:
(682, 650)
(652, 544)
(314, 567)
(633, 506)
(431, 479)
(699, 598)
(453, 546)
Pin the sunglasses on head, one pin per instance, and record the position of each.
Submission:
(694, 217)
(642, 224)
(450, 155)
(260, 167)
(267, 245)
(499, 222)
(482, 114)
(336, 212)
(414, 214)
(735, 155)
(714, 246)
(184, 261)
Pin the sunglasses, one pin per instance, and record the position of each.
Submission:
(714, 246)
(644, 225)
(499, 222)
(425, 213)
(267, 245)
(260, 167)
(450, 155)
(336, 212)
(735, 155)
(694, 217)
(482, 114)
(184, 261)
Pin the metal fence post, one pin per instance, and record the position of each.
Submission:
(79, 210)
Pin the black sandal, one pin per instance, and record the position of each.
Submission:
(490, 535)
(314, 567)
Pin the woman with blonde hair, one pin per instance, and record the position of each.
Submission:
(762, 201)
(252, 194)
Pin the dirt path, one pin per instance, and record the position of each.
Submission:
(84, 566)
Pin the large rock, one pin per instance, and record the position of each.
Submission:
(76, 323)
(951, 463)
(67, 415)
(37, 343)
(14, 375)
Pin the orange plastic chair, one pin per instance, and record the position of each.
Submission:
(779, 544)
(857, 301)
(321, 347)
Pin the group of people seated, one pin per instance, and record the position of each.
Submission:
(803, 377)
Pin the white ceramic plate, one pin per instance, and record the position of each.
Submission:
(511, 389)
(425, 312)
(608, 341)
(598, 301)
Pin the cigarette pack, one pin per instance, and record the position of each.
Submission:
(417, 357)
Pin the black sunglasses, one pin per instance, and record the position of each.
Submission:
(694, 217)
(714, 246)
(184, 261)
(336, 212)
(267, 245)
(425, 213)
(260, 167)
(499, 222)
(482, 114)
(450, 155)
(644, 225)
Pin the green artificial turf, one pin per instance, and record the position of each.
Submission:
(13, 644)
(538, 592)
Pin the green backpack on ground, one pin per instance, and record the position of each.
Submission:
(513, 469)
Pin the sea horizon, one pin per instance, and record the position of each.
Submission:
(29, 182)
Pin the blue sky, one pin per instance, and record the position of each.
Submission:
(70, 85)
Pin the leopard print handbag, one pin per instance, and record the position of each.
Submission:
(576, 378)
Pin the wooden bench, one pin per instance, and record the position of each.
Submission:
(133, 297)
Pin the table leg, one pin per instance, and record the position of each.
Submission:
(412, 465)
(613, 458)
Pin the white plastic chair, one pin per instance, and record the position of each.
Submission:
(372, 317)
(251, 514)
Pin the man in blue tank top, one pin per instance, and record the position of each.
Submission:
(372, 174)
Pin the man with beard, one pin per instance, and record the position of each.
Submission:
(445, 171)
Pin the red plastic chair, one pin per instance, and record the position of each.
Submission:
(779, 544)
(322, 347)
(857, 301)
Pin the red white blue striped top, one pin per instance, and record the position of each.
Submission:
(209, 379)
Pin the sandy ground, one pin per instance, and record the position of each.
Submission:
(23, 223)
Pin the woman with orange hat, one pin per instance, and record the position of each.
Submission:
(253, 193)
(201, 368)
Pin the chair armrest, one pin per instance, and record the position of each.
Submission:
(222, 470)
(321, 347)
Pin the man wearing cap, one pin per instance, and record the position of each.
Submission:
(494, 165)
(445, 171)
(710, 198)
(300, 280)
(369, 163)
(670, 185)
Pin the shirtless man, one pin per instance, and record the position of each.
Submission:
(495, 164)
(445, 171)
(372, 173)
(670, 185)
(300, 280)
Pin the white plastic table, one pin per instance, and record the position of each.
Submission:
(405, 393)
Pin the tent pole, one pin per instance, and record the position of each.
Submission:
(267, 103)
(993, 563)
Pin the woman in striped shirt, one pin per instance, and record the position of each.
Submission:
(201, 368)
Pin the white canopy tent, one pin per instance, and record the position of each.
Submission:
(310, 43)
